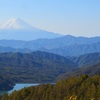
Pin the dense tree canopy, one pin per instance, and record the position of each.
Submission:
(74, 88)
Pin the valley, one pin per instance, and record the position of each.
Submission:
(47, 61)
(50, 50)
(43, 67)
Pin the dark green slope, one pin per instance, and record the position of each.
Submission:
(75, 88)
(5, 83)
(87, 64)
(33, 67)
(89, 70)
(35, 59)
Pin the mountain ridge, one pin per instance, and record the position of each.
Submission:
(33, 67)
(87, 64)
(62, 45)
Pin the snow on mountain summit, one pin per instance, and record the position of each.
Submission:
(16, 23)
(17, 29)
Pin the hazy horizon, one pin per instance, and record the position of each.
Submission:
(77, 18)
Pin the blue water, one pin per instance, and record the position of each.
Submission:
(21, 86)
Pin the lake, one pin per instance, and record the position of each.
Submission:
(19, 87)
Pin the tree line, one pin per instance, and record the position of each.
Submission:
(73, 88)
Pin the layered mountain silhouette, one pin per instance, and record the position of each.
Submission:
(55, 54)
(17, 29)
(10, 49)
(65, 46)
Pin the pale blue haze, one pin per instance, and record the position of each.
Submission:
(75, 17)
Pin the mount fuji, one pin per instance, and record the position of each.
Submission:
(17, 29)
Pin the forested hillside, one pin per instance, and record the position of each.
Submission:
(5, 83)
(33, 67)
(89, 70)
(74, 88)
(86, 59)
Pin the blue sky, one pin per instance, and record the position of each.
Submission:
(75, 17)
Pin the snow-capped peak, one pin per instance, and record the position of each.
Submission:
(16, 23)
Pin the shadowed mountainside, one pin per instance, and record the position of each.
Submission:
(33, 67)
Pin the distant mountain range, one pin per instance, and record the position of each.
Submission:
(10, 49)
(17, 29)
(65, 46)
(75, 50)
